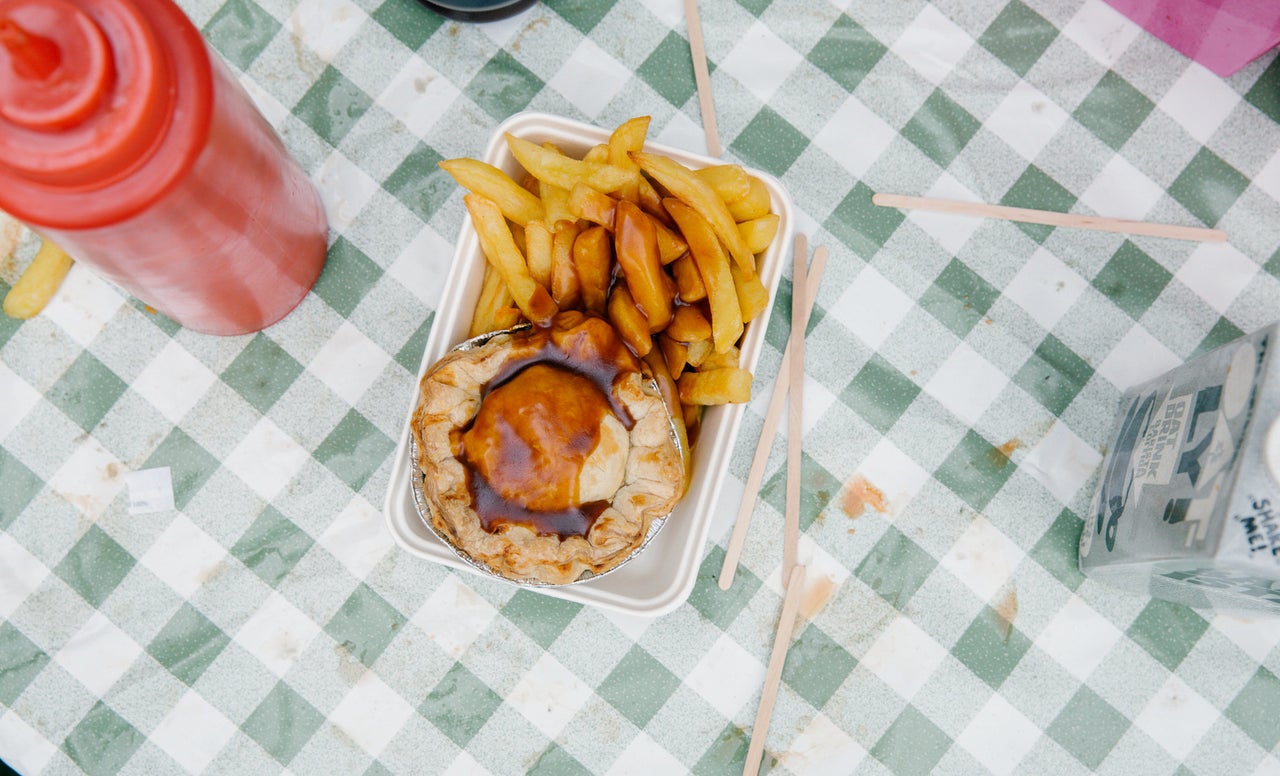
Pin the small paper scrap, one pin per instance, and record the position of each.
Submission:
(150, 490)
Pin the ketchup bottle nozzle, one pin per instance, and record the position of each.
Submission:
(34, 57)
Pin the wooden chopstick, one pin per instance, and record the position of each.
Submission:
(781, 640)
(702, 77)
(795, 407)
(1049, 218)
(770, 427)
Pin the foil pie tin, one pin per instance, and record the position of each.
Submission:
(423, 505)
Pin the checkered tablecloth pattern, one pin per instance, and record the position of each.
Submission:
(961, 380)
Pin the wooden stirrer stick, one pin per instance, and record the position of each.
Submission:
(781, 640)
(1049, 218)
(770, 427)
(795, 414)
(702, 77)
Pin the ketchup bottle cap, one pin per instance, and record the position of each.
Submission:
(77, 107)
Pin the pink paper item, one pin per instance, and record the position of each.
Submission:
(1222, 35)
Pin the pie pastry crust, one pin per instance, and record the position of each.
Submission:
(452, 392)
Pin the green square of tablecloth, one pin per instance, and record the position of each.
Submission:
(975, 470)
(880, 393)
(1167, 631)
(365, 624)
(283, 723)
(912, 744)
(1018, 37)
(188, 644)
(240, 30)
(262, 372)
(272, 545)
(1057, 551)
(638, 686)
(584, 15)
(1132, 279)
(332, 105)
(941, 128)
(1254, 709)
(667, 69)
(410, 353)
(1208, 186)
(1054, 374)
(816, 666)
(555, 761)
(460, 704)
(847, 52)
(1223, 331)
(86, 391)
(419, 183)
(408, 21)
(1265, 92)
(769, 142)
(354, 450)
(541, 617)
(1088, 727)
(862, 225)
(991, 647)
(347, 277)
(20, 661)
(1113, 110)
(1037, 190)
(721, 607)
(18, 485)
(102, 742)
(190, 465)
(503, 87)
(959, 297)
(895, 567)
(95, 566)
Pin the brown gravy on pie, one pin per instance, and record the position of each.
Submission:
(540, 419)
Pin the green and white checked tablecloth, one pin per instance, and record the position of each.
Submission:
(962, 377)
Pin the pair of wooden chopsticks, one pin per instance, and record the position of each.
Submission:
(790, 382)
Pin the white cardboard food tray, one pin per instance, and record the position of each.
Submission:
(660, 578)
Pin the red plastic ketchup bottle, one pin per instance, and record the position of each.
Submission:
(127, 142)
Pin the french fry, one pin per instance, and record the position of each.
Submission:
(636, 248)
(689, 324)
(597, 154)
(713, 266)
(628, 137)
(537, 238)
(39, 282)
(500, 249)
(650, 201)
(688, 280)
(671, 246)
(593, 260)
(591, 205)
(758, 232)
(505, 318)
(529, 184)
(730, 181)
(697, 352)
(560, 170)
(629, 320)
(754, 205)
(689, 189)
(566, 289)
(513, 200)
(676, 354)
(729, 385)
(721, 360)
(555, 201)
(493, 296)
(753, 297)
